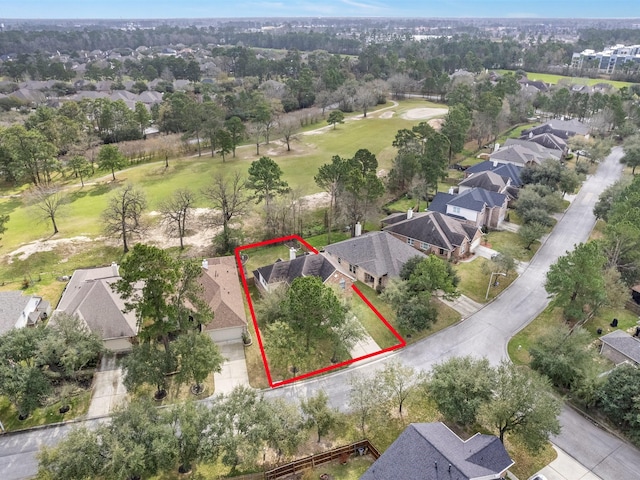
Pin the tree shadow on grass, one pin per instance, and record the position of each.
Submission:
(103, 188)
(10, 205)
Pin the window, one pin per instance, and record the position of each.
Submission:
(424, 245)
(343, 283)
(456, 209)
(410, 241)
(353, 268)
(368, 278)
(442, 251)
(339, 260)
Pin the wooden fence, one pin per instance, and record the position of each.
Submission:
(363, 447)
(633, 307)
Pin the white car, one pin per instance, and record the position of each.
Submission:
(538, 476)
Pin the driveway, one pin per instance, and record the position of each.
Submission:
(234, 369)
(108, 391)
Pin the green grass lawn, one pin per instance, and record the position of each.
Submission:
(551, 78)
(475, 276)
(508, 241)
(370, 321)
(41, 416)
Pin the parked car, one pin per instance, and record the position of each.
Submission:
(538, 476)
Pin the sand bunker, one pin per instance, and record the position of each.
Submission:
(29, 249)
(386, 115)
(424, 113)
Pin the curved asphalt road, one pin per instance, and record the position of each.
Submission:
(484, 334)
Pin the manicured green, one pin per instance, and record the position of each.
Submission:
(552, 78)
(505, 240)
(370, 321)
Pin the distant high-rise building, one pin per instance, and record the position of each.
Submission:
(609, 59)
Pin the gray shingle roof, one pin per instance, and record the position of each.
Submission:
(487, 180)
(538, 149)
(505, 170)
(89, 295)
(435, 229)
(476, 199)
(378, 253)
(440, 202)
(432, 451)
(304, 266)
(12, 304)
(624, 343)
(561, 128)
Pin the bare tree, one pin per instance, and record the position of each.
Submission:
(48, 200)
(365, 98)
(229, 197)
(256, 131)
(123, 215)
(288, 125)
(175, 212)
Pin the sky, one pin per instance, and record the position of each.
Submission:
(48, 9)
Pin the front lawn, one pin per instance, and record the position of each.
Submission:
(505, 241)
(50, 413)
(475, 276)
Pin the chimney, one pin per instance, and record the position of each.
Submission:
(358, 229)
(205, 264)
(292, 253)
(409, 214)
(115, 270)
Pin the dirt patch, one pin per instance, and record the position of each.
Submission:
(199, 234)
(436, 123)
(47, 245)
(317, 200)
(387, 115)
(423, 113)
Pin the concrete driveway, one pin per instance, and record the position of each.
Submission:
(108, 391)
(234, 369)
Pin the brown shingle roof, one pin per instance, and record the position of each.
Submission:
(223, 293)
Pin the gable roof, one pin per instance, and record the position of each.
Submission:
(303, 266)
(89, 296)
(477, 199)
(435, 229)
(12, 304)
(440, 202)
(548, 140)
(624, 343)
(537, 148)
(378, 253)
(221, 291)
(487, 180)
(432, 451)
(505, 170)
(520, 154)
(562, 128)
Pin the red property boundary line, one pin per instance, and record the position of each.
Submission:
(401, 342)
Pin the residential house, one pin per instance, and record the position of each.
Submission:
(19, 311)
(492, 181)
(222, 292)
(431, 451)
(547, 140)
(560, 128)
(372, 258)
(539, 150)
(619, 347)
(435, 233)
(476, 206)
(508, 171)
(284, 272)
(518, 155)
(538, 85)
(89, 296)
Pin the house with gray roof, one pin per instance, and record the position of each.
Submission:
(89, 296)
(284, 272)
(431, 451)
(540, 151)
(548, 140)
(560, 128)
(519, 155)
(487, 180)
(619, 347)
(18, 310)
(372, 258)
(508, 171)
(476, 206)
(435, 233)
